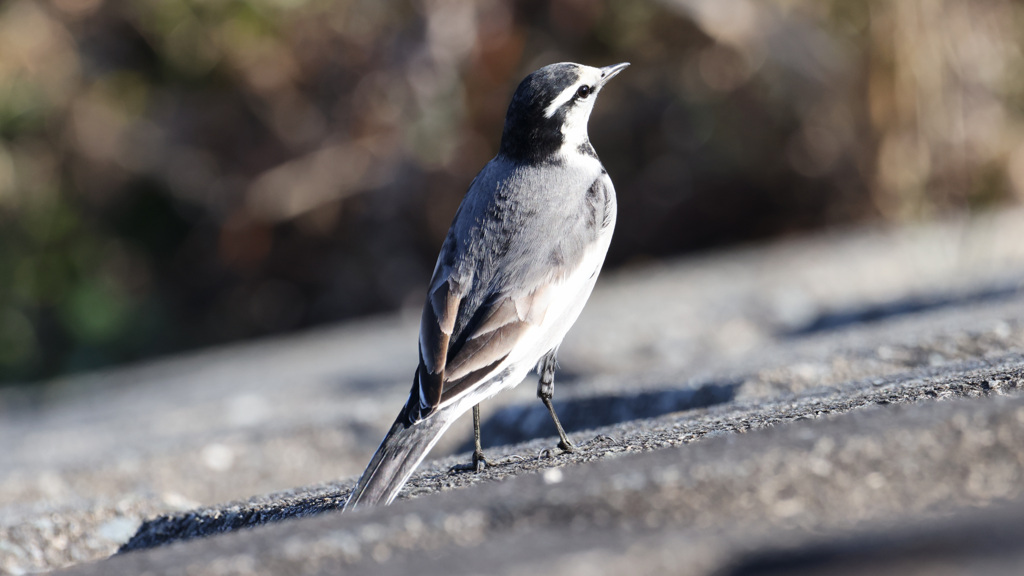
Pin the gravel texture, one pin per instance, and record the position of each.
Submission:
(726, 393)
(770, 487)
(969, 380)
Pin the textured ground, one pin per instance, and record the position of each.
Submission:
(850, 401)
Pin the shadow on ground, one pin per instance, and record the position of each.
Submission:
(524, 422)
(209, 521)
(510, 425)
(901, 307)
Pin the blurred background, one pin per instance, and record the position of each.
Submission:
(180, 173)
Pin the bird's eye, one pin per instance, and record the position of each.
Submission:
(584, 91)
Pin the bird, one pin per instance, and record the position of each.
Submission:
(514, 272)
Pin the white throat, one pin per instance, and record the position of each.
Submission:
(574, 130)
(574, 127)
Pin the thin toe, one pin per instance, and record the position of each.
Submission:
(478, 464)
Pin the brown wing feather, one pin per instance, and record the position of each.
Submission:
(491, 341)
(455, 387)
(436, 327)
(492, 338)
(447, 371)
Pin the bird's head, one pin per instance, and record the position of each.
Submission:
(550, 109)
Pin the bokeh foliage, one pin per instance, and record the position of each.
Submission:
(177, 173)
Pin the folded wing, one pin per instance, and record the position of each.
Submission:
(451, 363)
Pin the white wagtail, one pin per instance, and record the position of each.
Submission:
(515, 270)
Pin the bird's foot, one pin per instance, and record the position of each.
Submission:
(478, 464)
(564, 447)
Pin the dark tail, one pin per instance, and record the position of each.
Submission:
(399, 454)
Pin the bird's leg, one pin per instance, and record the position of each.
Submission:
(479, 461)
(545, 391)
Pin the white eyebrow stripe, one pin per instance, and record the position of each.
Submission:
(562, 98)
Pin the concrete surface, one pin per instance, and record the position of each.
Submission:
(764, 407)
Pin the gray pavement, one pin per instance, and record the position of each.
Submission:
(757, 406)
(771, 486)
